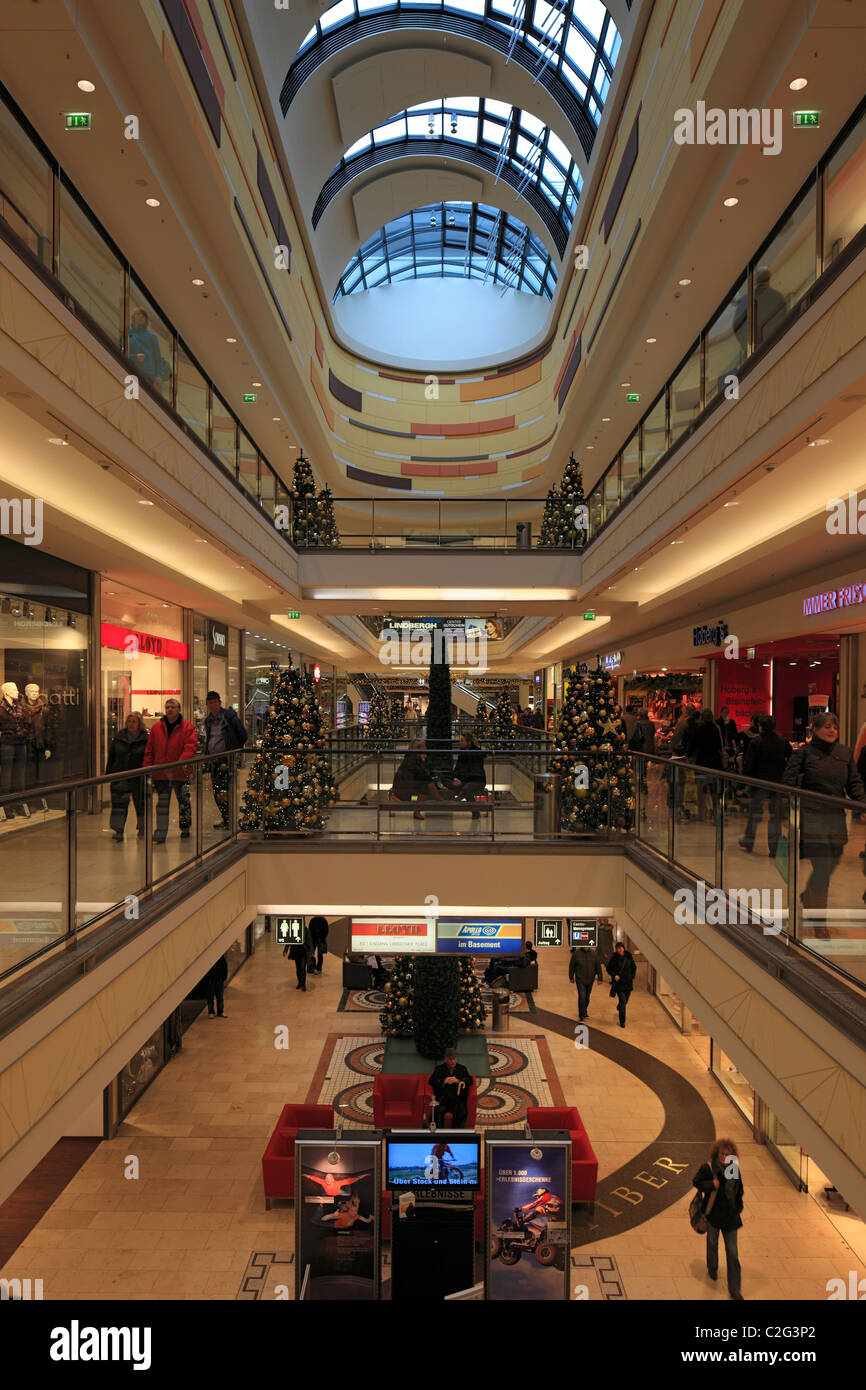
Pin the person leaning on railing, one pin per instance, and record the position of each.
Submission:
(823, 765)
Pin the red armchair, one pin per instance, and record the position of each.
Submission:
(398, 1101)
(584, 1164)
(278, 1159)
(471, 1103)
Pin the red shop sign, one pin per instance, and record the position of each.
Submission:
(146, 643)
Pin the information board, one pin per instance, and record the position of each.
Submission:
(488, 936)
(583, 931)
(549, 931)
(393, 935)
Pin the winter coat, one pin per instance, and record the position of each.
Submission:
(625, 967)
(729, 732)
(682, 733)
(235, 732)
(725, 1214)
(39, 721)
(584, 967)
(300, 950)
(126, 751)
(828, 768)
(219, 971)
(469, 766)
(705, 745)
(318, 935)
(168, 743)
(648, 729)
(13, 721)
(767, 757)
(411, 779)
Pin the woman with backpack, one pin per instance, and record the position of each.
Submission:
(721, 1188)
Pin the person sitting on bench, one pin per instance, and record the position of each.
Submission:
(469, 778)
(412, 780)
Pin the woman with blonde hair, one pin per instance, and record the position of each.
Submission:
(722, 1187)
(124, 754)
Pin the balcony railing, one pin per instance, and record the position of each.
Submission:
(720, 830)
(435, 523)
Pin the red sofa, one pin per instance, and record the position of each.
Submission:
(278, 1159)
(584, 1164)
(398, 1101)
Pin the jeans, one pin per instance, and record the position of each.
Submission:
(756, 815)
(621, 1002)
(163, 805)
(732, 1259)
(121, 794)
(584, 993)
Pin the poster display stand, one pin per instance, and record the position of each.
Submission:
(433, 1178)
(528, 1215)
(338, 1185)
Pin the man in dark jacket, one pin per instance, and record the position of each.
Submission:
(728, 730)
(215, 981)
(319, 942)
(722, 1177)
(451, 1084)
(622, 970)
(823, 765)
(584, 969)
(469, 778)
(223, 731)
(766, 758)
(300, 952)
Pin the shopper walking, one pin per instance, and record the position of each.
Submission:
(766, 758)
(222, 731)
(706, 750)
(171, 739)
(722, 1187)
(622, 970)
(300, 952)
(319, 942)
(823, 765)
(584, 969)
(125, 753)
(215, 982)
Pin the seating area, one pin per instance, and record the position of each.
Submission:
(406, 1102)
(278, 1159)
(584, 1164)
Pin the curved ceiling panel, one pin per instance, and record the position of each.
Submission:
(454, 240)
(367, 92)
(569, 47)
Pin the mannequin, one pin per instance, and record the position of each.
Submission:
(13, 747)
(37, 715)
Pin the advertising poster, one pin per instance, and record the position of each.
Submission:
(402, 936)
(337, 1218)
(488, 936)
(529, 1220)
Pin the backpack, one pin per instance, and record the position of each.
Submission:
(698, 1213)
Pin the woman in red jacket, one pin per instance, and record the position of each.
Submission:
(171, 738)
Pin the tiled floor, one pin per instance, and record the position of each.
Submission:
(189, 1223)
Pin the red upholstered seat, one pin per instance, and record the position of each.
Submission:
(398, 1101)
(471, 1103)
(278, 1159)
(584, 1164)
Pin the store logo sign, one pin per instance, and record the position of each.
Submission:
(217, 639)
(706, 636)
(834, 598)
(611, 661)
(125, 639)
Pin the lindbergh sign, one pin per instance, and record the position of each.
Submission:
(834, 598)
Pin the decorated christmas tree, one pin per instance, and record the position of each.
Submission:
(551, 522)
(471, 1006)
(592, 759)
(329, 535)
(290, 783)
(303, 495)
(502, 723)
(436, 1005)
(563, 524)
(381, 730)
(396, 1018)
(481, 711)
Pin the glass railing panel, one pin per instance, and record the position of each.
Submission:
(610, 484)
(110, 845)
(656, 785)
(33, 882)
(844, 193)
(89, 269)
(696, 797)
(217, 795)
(192, 402)
(755, 851)
(267, 491)
(414, 526)
(596, 509)
(630, 466)
(831, 883)
(25, 188)
(785, 268)
(685, 395)
(178, 803)
(149, 344)
(248, 466)
(224, 435)
(655, 434)
(727, 344)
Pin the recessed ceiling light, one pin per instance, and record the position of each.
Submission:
(231, 340)
(732, 504)
(677, 542)
(256, 383)
(276, 420)
(55, 439)
(731, 202)
(590, 446)
(684, 281)
(650, 340)
(625, 383)
(796, 86)
(198, 282)
(166, 605)
(85, 86)
(605, 419)
(816, 443)
(152, 202)
(143, 502)
(199, 540)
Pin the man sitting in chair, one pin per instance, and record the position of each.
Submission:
(451, 1084)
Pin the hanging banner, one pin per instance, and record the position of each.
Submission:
(337, 1217)
(528, 1197)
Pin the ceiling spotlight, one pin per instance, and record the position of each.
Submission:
(199, 540)
(731, 202)
(276, 420)
(198, 282)
(684, 281)
(605, 419)
(143, 502)
(732, 504)
(231, 340)
(625, 383)
(677, 542)
(590, 446)
(256, 383)
(152, 202)
(85, 86)
(55, 439)
(796, 86)
(816, 443)
(650, 340)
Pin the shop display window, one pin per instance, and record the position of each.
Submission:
(143, 656)
(140, 1070)
(733, 1082)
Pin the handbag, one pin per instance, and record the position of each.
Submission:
(698, 1213)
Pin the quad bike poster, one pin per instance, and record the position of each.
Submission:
(528, 1189)
(337, 1217)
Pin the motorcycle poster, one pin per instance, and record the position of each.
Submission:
(528, 1219)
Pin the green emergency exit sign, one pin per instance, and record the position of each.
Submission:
(293, 615)
(77, 120)
(633, 397)
(250, 397)
(812, 118)
(589, 617)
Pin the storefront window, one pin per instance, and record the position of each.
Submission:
(733, 1082)
(44, 699)
(143, 656)
(264, 658)
(669, 998)
(140, 1070)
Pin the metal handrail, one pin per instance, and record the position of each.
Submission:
(836, 802)
(83, 783)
